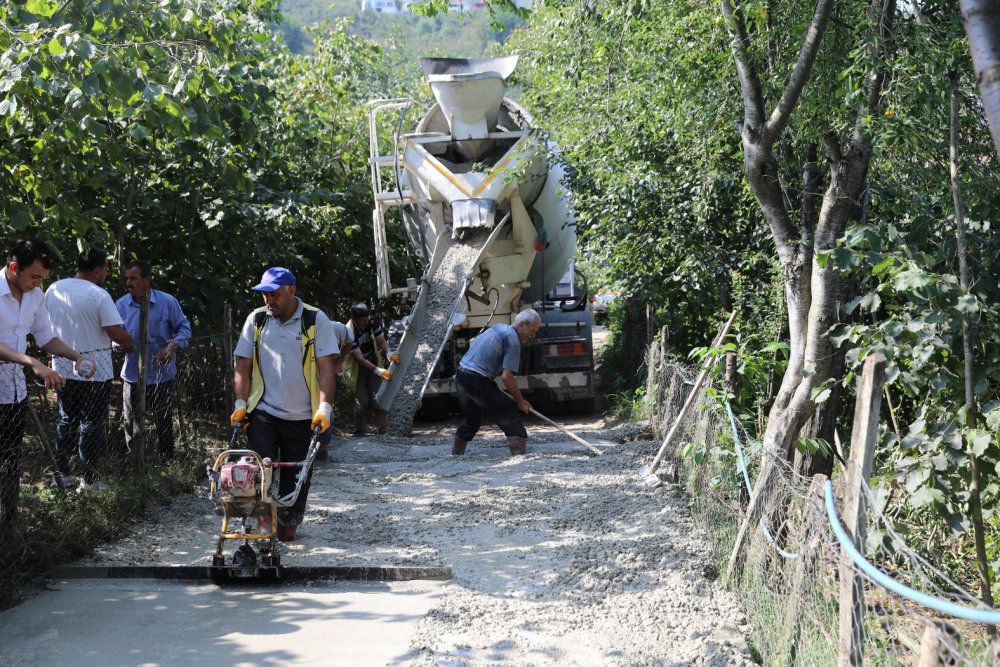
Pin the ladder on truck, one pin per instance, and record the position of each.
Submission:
(386, 198)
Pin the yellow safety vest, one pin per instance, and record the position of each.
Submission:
(310, 370)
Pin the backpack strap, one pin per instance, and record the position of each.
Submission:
(308, 322)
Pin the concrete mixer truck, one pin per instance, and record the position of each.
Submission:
(485, 211)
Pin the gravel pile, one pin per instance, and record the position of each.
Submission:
(559, 558)
(447, 285)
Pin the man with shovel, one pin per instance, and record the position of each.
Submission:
(496, 351)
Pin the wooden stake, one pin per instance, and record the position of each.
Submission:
(705, 367)
(935, 646)
(859, 469)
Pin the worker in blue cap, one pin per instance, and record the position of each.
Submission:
(284, 382)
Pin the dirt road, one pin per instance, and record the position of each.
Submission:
(559, 558)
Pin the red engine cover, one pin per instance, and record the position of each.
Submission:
(240, 478)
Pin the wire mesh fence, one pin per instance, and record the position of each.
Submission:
(94, 430)
(794, 567)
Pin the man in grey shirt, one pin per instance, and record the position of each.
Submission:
(285, 381)
(496, 351)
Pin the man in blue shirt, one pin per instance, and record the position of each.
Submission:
(169, 330)
(496, 351)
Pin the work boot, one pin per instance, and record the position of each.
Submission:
(359, 425)
(517, 445)
(458, 446)
(382, 422)
(286, 533)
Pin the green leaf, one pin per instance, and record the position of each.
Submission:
(978, 441)
(822, 257)
(820, 394)
(993, 418)
(138, 132)
(967, 305)
(43, 8)
(151, 91)
(924, 496)
(846, 259)
(839, 333)
(911, 279)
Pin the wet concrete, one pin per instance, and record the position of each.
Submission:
(146, 622)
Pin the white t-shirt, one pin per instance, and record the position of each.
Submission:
(79, 310)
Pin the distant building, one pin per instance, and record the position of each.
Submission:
(381, 6)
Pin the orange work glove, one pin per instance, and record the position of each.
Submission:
(239, 414)
(323, 417)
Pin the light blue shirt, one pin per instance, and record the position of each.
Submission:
(166, 322)
(496, 349)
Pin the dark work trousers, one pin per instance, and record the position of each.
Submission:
(11, 437)
(159, 401)
(283, 440)
(364, 393)
(479, 395)
(82, 425)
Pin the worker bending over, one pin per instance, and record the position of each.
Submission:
(496, 351)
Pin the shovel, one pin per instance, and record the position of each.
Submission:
(538, 414)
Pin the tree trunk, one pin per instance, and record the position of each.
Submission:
(982, 25)
(812, 291)
(969, 336)
(635, 343)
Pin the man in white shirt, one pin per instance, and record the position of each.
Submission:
(22, 311)
(84, 316)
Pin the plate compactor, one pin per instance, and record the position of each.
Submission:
(242, 485)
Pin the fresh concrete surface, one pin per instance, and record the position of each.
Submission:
(150, 623)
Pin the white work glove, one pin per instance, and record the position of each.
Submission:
(323, 417)
(239, 414)
(393, 358)
(383, 373)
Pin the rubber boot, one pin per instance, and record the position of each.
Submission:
(382, 422)
(359, 425)
(458, 446)
(517, 445)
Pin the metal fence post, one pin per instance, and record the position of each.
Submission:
(139, 414)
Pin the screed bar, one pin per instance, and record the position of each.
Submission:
(252, 574)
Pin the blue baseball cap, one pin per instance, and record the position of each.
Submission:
(274, 278)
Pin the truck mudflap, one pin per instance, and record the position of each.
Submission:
(550, 386)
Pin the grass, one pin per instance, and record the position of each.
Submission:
(57, 526)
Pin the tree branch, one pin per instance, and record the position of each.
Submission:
(753, 96)
(803, 69)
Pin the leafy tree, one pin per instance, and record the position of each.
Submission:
(636, 111)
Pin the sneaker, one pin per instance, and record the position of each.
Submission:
(68, 481)
(95, 487)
